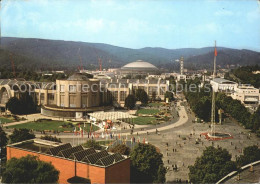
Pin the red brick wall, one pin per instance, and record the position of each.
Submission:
(118, 173)
(66, 167)
(95, 174)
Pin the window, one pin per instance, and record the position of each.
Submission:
(84, 101)
(72, 88)
(42, 98)
(162, 90)
(72, 101)
(122, 95)
(62, 88)
(115, 95)
(94, 100)
(151, 90)
(51, 98)
(62, 101)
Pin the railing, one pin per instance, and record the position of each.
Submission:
(233, 173)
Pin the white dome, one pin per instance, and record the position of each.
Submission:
(139, 64)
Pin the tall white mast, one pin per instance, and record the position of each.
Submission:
(182, 65)
(213, 96)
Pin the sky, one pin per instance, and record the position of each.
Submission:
(137, 23)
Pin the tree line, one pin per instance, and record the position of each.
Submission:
(245, 75)
(29, 75)
(142, 96)
(216, 163)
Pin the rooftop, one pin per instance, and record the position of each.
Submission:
(223, 81)
(66, 151)
(139, 64)
(77, 77)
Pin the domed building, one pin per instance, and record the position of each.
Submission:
(139, 67)
(75, 96)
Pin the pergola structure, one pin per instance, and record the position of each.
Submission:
(113, 116)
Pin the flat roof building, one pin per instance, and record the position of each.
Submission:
(97, 166)
(223, 85)
(248, 95)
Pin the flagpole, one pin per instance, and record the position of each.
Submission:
(213, 96)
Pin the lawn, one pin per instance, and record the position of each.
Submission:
(147, 111)
(144, 120)
(105, 142)
(5, 120)
(51, 125)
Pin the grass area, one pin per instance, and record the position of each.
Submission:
(155, 104)
(51, 125)
(5, 120)
(147, 111)
(105, 142)
(144, 120)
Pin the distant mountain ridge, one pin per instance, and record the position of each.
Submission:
(57, 54)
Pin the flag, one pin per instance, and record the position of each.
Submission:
(216, 53)
(75, 130)
(81, 131)
(144, 140)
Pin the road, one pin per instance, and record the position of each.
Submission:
(183, 118)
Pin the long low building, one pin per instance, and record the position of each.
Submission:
(223, 85)
(79, 95)
(97, 166)
(121, 88)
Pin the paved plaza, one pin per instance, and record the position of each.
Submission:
(180, 141)
(182, 149)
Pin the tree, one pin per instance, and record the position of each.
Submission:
(3, 138)
(3, 143)
(147, 165)
(255, 120)
(201, 108)
(169, 95)
(24, 105)
(14, 105)
(153, 96)
(251, 154)
(121, 148)
(214, 164)
(51, 138)
(19, 135)
(92, 144)
(130, 101)
(27, 103)
(142, 96)
(29, 169)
